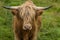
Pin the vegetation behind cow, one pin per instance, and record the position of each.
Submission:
(50, 27)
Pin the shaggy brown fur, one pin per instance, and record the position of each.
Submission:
(26, 14)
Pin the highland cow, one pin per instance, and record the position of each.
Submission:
(26, 20)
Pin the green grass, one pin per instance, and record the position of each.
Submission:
(50, 29)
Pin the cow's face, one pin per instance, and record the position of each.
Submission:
(27, 14)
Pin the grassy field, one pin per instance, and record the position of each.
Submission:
(50, 29)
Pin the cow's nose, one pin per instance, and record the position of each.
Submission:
(27, 27)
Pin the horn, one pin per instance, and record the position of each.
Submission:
(11, 7)
(43, 8)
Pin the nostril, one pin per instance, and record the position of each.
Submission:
(30, 28)
(27, 27)
(24, 27)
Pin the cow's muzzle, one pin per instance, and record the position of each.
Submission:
(27, 27)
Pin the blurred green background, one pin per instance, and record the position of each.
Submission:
(50, 29)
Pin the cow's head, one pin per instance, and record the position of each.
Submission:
(27, 13)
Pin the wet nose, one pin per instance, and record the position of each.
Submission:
(27, 27)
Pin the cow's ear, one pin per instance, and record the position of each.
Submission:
(39, 12)
(14, 12)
